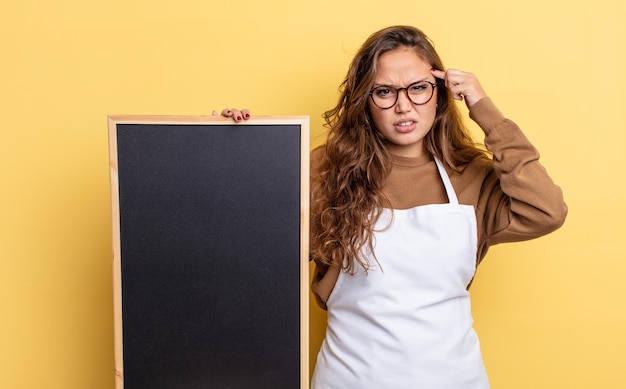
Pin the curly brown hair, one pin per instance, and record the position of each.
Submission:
(347, 196)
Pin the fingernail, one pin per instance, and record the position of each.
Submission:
(238, 118)
(247, 115)
(228, 112)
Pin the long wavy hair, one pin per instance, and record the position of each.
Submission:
(347, 196)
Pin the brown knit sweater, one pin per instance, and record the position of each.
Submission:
(513, 195)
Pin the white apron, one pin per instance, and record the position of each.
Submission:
(406, 323)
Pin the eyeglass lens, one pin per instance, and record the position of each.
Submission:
(419, 93)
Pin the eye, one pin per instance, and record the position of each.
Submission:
(384, 92)
(418, 88)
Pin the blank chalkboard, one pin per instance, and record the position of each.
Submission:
(210, 238)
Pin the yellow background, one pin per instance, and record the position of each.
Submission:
(551, 313)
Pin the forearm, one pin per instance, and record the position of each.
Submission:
(519, 199)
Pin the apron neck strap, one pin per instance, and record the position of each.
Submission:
(446, 182)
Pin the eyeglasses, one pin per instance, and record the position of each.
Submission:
(385, 97)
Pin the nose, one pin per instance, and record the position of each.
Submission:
(403, 104)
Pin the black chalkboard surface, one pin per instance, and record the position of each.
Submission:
(210, 231)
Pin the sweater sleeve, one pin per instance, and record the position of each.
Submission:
(518, 200)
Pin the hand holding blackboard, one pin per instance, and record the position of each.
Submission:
(237, 115)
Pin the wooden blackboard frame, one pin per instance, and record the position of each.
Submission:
(207, 121)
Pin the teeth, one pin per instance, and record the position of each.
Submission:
(404, 124)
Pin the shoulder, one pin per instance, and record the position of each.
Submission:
(318, 155)
(479, 166)
(469, 179)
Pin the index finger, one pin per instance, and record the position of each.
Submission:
(438, 73)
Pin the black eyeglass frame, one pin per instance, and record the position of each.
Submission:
(406, 91)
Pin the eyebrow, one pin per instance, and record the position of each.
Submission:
(411, 83)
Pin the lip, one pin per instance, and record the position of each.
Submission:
(405, 125)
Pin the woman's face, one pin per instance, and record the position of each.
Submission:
(405, 124)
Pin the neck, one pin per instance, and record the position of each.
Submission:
(413, 151)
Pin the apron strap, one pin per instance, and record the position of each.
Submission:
(446, 182)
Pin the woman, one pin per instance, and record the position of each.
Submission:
(404, 207)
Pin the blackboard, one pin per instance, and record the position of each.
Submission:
(210, 241)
